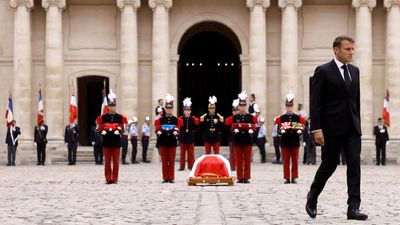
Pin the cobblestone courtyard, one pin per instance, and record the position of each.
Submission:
(59, 194)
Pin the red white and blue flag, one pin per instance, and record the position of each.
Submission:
(104, 104)
(40, 115)
(9, 112)
(386, 112)
(73, 109)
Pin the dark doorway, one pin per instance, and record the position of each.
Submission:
(209, 65)
(89, 104)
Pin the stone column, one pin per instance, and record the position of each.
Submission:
(289, 49)
(393, 63)
(161, 55)
(363, 59)
(22, 67)
(258, 52)
(128, 81)
(53, 97)
(392, 73)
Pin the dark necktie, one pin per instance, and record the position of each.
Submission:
(347, 80)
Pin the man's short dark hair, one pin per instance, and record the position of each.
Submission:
(159, 100)
(380, 119)
(253, 96)
(338, 40)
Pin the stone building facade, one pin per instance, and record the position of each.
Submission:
(137, 46)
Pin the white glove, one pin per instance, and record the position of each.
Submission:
(304, 144)
(299, 131)
(66, 143)
(215, 121)
(93, 143)
(251, 131)
(116, 132)
(103, 132)
(42, 128)
(387, 143)
(236, 131)
(159, 132)
(34, 143)
(283, 131)
(175, 133)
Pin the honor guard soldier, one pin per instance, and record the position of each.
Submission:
(133, 133)
(71, 139)
(228, 122)
(186, 135)
(261, 138)
(40, 141)
(211, 123)
(290, 127)
(277, 142)
(167, 129)
(12, 142)
(381, 139)
(96, 143)
(146, 133)
(124, 144)
(243, 127)
(111, 126)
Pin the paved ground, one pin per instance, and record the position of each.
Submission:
(58, 194)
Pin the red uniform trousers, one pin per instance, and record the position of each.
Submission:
(287, 154)
(232, 156)
(208, 146)
(168, 162)
(189, 148)
(243, 160)
(111, 153)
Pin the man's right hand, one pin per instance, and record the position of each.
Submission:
(319, 137)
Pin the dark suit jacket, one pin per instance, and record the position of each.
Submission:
(15, 135)
(95, 136)
(71, 134)
(40, 136)
(381, 138)
(334, 109)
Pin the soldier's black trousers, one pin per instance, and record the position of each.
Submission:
(41, 153)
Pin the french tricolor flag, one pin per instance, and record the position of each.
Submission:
(386, 112)
(73, 109)
(104, 104)
(40, 115)
(9, 112)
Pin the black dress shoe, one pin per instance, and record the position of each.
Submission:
(287, 181)
(8, 164)
(135, 162)
(245, 181)
(146, 161)
(355, 214)
(38, 164)
(165, 181)
(109, 182)
(240, 181)
(311, 210)
(43, 164)
(294, 181)
(180, 169)
(171, 181)
(13, 164)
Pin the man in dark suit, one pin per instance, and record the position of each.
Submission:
(335, 113)
(381, 139)
(97, 146)
(71, 139)
(12, 142)
(40, 141)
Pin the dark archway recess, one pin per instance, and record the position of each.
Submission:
(209, 64)
(89, 104)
